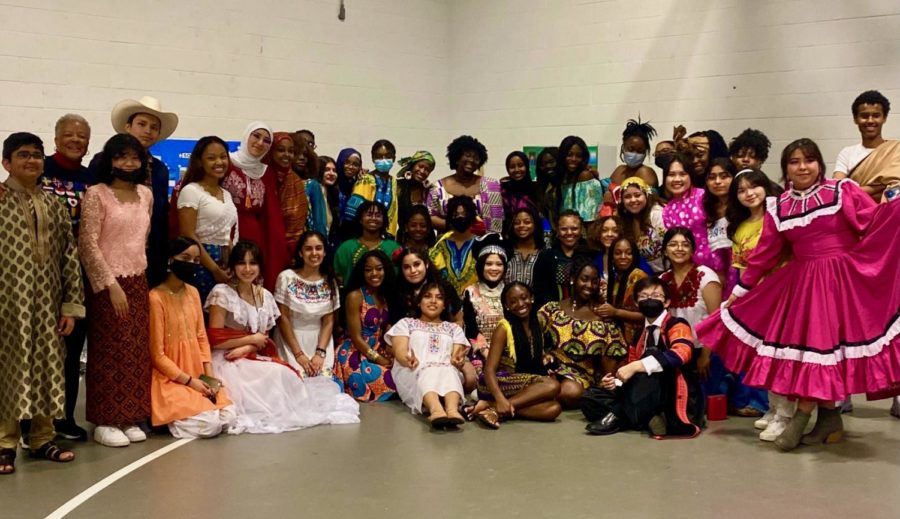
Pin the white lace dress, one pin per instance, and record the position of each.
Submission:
(270, 397)
(432, 344)
(308, 301)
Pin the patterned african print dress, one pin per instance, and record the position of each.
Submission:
(363, 379)
(112, 244)
(455, 263)
(578, 345)
(489, 203)
(520, 366)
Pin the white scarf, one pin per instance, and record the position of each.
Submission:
(250, 165)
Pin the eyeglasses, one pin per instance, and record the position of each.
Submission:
(24, 155)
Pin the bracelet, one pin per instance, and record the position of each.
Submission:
(189, 380)
(372, 355)
(321, 352)
(299, 353)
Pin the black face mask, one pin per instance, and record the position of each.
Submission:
(127, 176)
(651, 308)
(662, 161)
(184, 270)
(461, 223)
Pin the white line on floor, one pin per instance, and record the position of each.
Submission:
(94, 489)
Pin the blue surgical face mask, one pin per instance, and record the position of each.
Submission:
(632, 159)
(384, 165)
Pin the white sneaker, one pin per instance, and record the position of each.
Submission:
(110, 436)
(767, 418)
(774, 429)
(134, 434)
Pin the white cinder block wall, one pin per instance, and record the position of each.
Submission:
(529, 72)
(221, 64)
(419, 72)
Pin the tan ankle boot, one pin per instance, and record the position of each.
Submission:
(829, 428)
(790, 438)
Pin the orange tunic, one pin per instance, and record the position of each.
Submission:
(178, 344)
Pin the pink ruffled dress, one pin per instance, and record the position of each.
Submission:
(825, 325)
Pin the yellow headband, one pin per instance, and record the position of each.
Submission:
(637, 181)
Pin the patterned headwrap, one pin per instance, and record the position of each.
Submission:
(408, 162)
(639, 183)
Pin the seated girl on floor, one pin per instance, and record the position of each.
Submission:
(429, 351)
(269, 394)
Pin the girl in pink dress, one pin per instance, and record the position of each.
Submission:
(685, 209)
(825, 325)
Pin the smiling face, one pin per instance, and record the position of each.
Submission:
(421, 171)
(574, 159)
(718, 181)
(623, 256)
(679, 250)
(468, 163)
(516, 168)
(26, 164)
(247, 269)
(432, 304)
(569, 231)
(146, 128)
(494, 268)
(587, 282)
(283, 153)
(678, 180)
(548, 163)
(750, 196)
(417, 228)
(329, 174)
(72, 140)
(373, 220)
(802, 171)
(518, 301)
(352, 166)
(634, 199)
(373, 272)
(609, 233)
(313, 252)
(258, 143)
(523, 225)
(869, 119)
(413, 269)
(214, 160)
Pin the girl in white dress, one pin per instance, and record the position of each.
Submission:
(269, 395)
(429, 352)
(307, 298)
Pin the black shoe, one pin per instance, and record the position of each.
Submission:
(609, 424)
(70, 430)
(657, 425)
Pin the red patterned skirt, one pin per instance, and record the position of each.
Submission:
(118, 366)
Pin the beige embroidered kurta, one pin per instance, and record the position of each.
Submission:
(40, 281)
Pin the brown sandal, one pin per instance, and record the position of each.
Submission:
(52, 452)
(7, 461)
(489, 418)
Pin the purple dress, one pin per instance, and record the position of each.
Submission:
(687, 211)
(826, 324)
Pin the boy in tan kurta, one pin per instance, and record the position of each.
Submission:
(41, 295)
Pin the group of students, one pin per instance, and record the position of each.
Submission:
(275, 288)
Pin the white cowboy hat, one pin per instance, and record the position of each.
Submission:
(145, 105)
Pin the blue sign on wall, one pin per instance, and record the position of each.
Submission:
(176, 153)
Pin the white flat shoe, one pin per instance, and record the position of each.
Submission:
(110, 436)
(134, 434)
(775, 428)
(763, 422)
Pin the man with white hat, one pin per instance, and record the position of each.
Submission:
(145, 120)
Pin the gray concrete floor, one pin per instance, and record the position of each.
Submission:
(391, 465)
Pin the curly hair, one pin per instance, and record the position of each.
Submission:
(753, 140)
(509, 235)
(365, 207)
(462, 144)
(463, 201)
(871, 97)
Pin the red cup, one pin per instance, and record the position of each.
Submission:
(716, 408)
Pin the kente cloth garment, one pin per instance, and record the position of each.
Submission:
(578, 345)
(489, 203)
(687, 211)
(455, 263)
(372, 187)
(363, 379)
(178, 344)
(118, 375)
(879, 168)
(792, 332)
(517, 194)
(520, 366)
(432, 344)
(40, 281)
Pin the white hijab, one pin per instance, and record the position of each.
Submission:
(250, 165)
